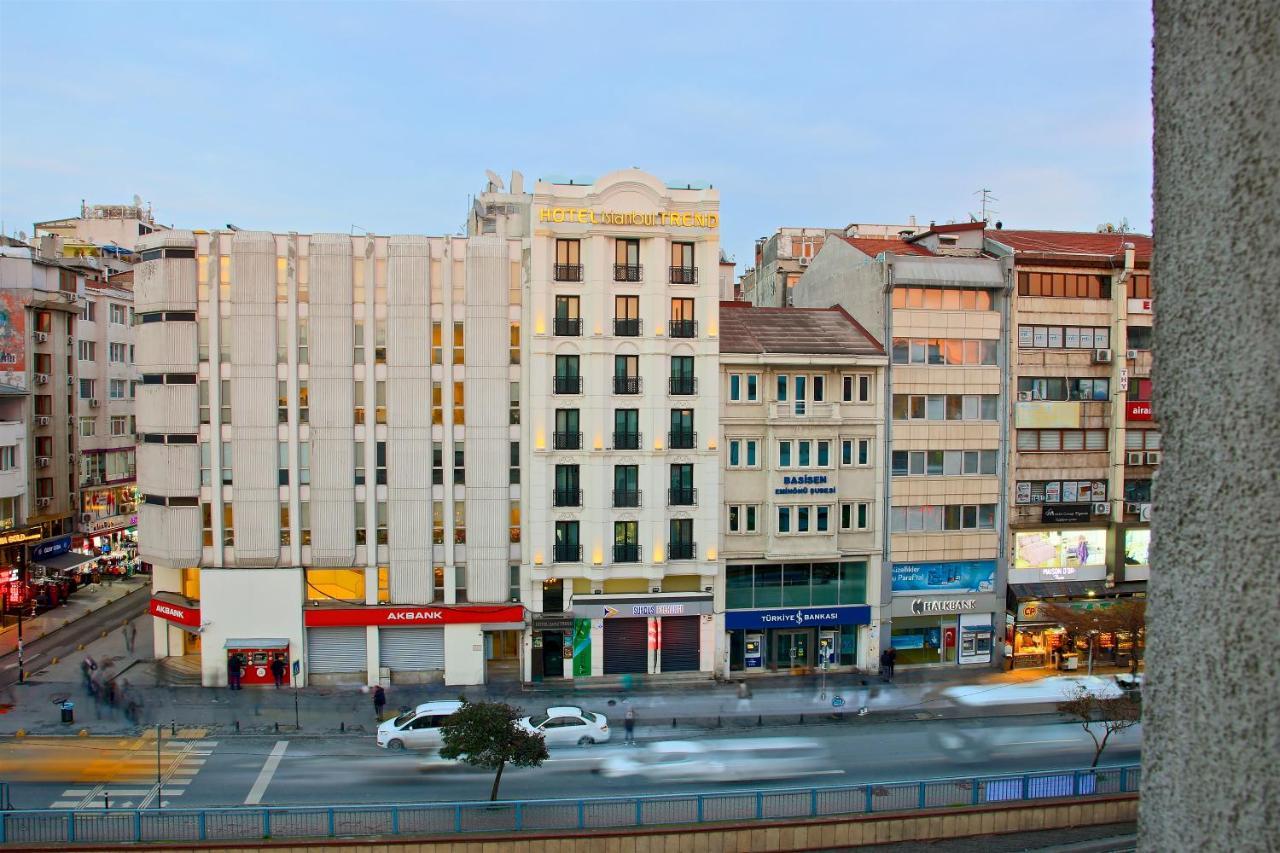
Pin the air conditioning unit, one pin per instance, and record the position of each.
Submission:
(1024, 396)
(71, 380)
(71, 421)
(1153, 457)
(1131, 507)
(1102, 356)
(71, 457)
(86, 518)
(41, 337)
(804, 262)
(1144, 512)
(43, 502)
(71, 340)
(93, 404)
(42, 461)
(42, 379)
(42, 420)
(1101, 508)
(1131, 355)
(1133, 457)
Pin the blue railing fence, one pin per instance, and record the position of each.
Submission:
(88, 826)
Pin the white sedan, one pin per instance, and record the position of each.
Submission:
(568, 725)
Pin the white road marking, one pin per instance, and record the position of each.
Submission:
(268, 770)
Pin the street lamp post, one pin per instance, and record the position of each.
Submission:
(22, 585)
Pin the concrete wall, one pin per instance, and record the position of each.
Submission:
(244, 604)
(1210, 734)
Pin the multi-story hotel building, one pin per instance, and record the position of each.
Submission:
(1086, 445)
(619, 432)
(326, 453)
(802, 425)
(941, 301)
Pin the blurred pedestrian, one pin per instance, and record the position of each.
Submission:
(233, 671)
(893, 659)
(629, 726)
(277, 670)
(130, 636)
(744, 695)
(379, 701)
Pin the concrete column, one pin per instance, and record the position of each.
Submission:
(1213, 678)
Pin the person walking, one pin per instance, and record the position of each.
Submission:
(893, 658)
(277, 670)
(233, 671)
(629, 726)
(130, 636)
(379, 701)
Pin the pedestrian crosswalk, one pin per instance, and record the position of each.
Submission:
(133, 775)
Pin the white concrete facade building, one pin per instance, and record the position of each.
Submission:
(802, 418)
(622, 480)
(325, 446)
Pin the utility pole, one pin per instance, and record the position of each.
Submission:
(22, 585)
(159, 734)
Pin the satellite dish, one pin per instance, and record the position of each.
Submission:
(494, 180)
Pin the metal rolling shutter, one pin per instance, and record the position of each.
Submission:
(626, 646)
(680, 636)
(336, 650)
(411, 649)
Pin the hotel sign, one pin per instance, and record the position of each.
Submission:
(663, 218)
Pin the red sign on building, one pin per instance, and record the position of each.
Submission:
(1138, 410)
(177, 613)
(352, 616)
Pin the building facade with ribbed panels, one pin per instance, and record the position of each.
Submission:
(325, 454)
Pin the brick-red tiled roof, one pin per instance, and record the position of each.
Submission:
(813, 331)
(953, 227)
(873, 246)
(1073, 243)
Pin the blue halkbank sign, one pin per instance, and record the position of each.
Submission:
(952, 576)
(798, 617)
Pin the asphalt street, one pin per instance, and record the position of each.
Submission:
(240, 770)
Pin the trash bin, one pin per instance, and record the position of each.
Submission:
(1069, 662)
(68, 712)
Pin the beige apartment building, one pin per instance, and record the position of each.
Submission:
(802, 428)
(1086, 444)
(941, 301)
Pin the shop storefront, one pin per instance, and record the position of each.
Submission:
(641, 634)
(944, 613)
(552, 647)
(797, 640)
(13, 586)
(1039, 639)
(181, 613)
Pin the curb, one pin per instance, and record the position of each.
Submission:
(66, 623)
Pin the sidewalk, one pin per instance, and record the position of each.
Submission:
(82, 602)
(680, 711)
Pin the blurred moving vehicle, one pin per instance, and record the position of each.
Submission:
(419, 728)
(740, 760)
(568, 725)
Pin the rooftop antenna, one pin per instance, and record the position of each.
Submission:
(987, 198)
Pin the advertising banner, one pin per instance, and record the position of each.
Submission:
(50, 548)
(1043, 549)
(1047, 414)
(177, 613)
(954, 576)
(581, 648)
(799, 617)
(1137, 410)
(13, 342)
(351, 616)
(1137, 547)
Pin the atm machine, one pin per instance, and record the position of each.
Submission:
(828, 648)
(753, 654)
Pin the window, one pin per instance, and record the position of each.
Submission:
(568, 433)
(567, 547)
(1137, 491)
(1139, 337)
(855, 516)
(8, 457)
(87, 311)
(943, 298)
(1142, 439)
(380, 522)
(513, 415)
(1060, 337)
(282, 401)
(682, 436)
(683, 268)
(1069, 285)
(117, 389)
(379, 340)
(742, 518)
(88, 350)
(282, 463)
(682, 379)
(119, 425)
(228, 525)
(304, 404)
(284, 523)
(626, 374)
(88, 427)
(204, 401)
(380, 463)
(626, 428)
(380, 401)
(855, 451)
(949, 407)
(116, 353)
(224, 338)
(1061, 440)
(514, 348)
(744, 453)
(513, 473)
(1139, 287)
(303, 343)
(626, 485)
(935, 518)
(459, 464)
(459, 344)
(626, 316)
(304, 466)
(943, 462)
(683, 324)
(1060, 491)
(206, 523)
(568, 260)
(437, 348)
(362, 530)
(568, 319)
(86, 389)
(680, 545)
(744, 387)
(567, 378)
(626, 541)
(945, 351)
(118, 314)
(357, 412)
(855, 388)
(682, 492)
(804, 519)
(626, 261)
(437, 463)
(437, 403)
(1055, 388)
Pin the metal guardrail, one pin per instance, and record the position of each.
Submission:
(90, 826)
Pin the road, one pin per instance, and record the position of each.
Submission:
(309, 771)
(63, 642)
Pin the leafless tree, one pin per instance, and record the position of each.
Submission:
(1100, 716)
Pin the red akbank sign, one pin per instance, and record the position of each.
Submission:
(351, 616)
(182, 615)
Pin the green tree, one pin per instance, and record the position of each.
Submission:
(485, 734)
(1110, 714)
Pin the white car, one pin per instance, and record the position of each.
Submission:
(728, 760)
(419, 728)
(568, 725)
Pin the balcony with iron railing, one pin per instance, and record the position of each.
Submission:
(566, 497)
(683, 386)
(628, 272)
(682, 439)
(684, 328)
(682, 497)
(566, 385)
(568, 272)
(566, 553)
(627, 384)
(681, 550)
(566, 440)
(623, 498)
(684, 275)
(627, 327)
(627, 440)
(625, 552)
(567, 326)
